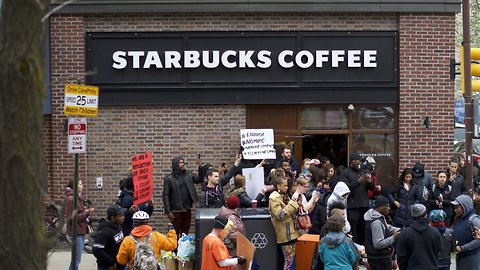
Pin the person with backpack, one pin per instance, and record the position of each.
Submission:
(468, 248)
(143, 246)
(108, 238)
(447, 240)
(440, 197)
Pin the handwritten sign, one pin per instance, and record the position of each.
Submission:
(142, 173)
(257, 143)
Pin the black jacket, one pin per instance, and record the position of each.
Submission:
(125, 200)
(107, 241)
(418, 246)
(173, 185)
(358, 197)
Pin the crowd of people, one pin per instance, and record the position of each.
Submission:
(415, 224)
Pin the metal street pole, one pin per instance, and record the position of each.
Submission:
(467, 73)
(74, 213)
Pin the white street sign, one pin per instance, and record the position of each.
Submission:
(77, 135)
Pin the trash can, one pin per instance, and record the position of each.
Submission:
(259, 229)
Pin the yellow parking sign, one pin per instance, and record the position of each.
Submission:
(81, 100)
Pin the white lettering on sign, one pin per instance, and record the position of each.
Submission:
(353, 58)
(77, 135)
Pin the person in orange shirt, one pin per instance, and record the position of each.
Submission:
(215, 254)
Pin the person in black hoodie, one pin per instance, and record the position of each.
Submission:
(418, 245)
(125, 200)
(179, 195)
(108, 238)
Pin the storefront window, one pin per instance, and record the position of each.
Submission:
(382, 148)
(374, 118)
(324, 118)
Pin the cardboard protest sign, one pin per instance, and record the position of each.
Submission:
(246, 249)
(254, 181)
(142, 173)
(257, 143)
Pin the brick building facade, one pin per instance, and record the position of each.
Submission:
(426, 44)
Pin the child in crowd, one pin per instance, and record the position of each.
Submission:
(335, 251)
(447, 240)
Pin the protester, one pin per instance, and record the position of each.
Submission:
(340, 195)
(143, 232)
(215, 254)
(447, 240)
(379, 235)
(439, 197)
(108, 238)
(283, 211)
(359, 183)
(293, 163)
(476, 201)
(82, 215)
(211, 195)
(423, 180)
(335, 250)
(231, 212)
(125, 200)
(468, 248)
(238, 189)
(419, 244)
(179, 195)
(456, 180)
(405, 195)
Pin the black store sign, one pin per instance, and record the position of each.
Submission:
(243, 67)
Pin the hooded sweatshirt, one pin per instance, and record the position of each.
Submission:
(158, 241)
(335, 251)
(107, 242)
(462, 229)
(418, 246)
(379, 235)
(340, 190)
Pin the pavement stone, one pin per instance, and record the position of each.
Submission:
(60, 260)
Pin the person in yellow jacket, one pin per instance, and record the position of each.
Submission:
(141, 229)
(283, 212)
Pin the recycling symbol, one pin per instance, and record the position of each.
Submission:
(259, 240)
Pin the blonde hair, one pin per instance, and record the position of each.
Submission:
(239, 181)
(301, 180)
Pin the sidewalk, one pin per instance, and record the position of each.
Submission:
(60, 260)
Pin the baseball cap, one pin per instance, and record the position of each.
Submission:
(114, 209)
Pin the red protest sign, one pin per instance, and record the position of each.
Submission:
(142, 172)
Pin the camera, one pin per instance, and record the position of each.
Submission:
(367, 166)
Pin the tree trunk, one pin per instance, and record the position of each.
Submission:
(22, 169)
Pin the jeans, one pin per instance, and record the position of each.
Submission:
(78, 252)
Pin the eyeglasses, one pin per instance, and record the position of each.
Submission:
(306, 186)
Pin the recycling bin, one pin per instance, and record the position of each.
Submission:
(259, 229)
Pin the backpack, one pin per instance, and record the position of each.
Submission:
(144, 258)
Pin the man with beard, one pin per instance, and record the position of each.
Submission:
(357, 202)
(179, 195)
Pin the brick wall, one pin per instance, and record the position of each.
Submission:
(427, 43)
(121, 131)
